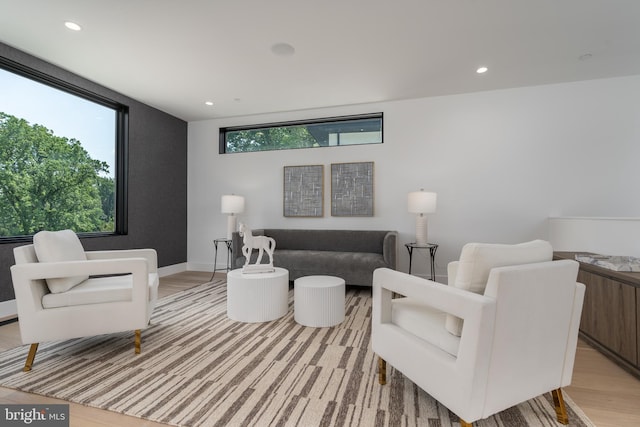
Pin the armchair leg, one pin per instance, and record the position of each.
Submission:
(382, 371)
(137, 341)
(561, 410)
(30, 357)
(463, 423)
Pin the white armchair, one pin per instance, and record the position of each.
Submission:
(518, 339)
(110, 291)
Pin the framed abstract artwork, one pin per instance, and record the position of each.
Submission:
(352, 189)
(303, 191)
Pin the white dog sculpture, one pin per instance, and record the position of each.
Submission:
(263, 244)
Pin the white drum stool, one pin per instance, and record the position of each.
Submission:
(258, 297)
(318, 301)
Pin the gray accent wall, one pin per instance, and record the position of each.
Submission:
(157, 181)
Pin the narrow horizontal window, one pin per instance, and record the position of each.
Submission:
(328, 132)
(62, 163)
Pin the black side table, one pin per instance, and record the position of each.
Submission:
(227, 242)
(432, 255)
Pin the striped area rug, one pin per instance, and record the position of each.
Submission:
(198, 368)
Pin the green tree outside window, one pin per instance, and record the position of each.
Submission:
(50, 182)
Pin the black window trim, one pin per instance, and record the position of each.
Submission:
(121, 143)
(222, 141)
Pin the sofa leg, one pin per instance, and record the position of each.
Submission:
(382, 371)
(463, 423)
(137, 341)
(561, 410)
(30, 357)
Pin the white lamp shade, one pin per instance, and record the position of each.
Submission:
(422, 202)
(232, 204)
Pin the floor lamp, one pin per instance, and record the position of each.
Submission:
(421, 203)
(232, 205)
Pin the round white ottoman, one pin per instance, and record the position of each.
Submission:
(318, 301)
(258, 297)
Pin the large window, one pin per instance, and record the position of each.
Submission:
(62, 161)
(331, 132)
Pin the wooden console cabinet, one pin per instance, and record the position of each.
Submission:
(610, 320)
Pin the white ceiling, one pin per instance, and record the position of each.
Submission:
(177, 54)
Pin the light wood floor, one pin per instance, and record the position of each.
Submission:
(606, 393)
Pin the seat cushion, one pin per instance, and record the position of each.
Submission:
(57, 246)
(424, 322)
(477, 260)
(356, 268)
(98, 291)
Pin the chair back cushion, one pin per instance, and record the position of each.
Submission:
(477, 260)
(57, 246)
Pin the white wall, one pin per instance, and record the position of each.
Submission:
(607, 236)
(501, 162)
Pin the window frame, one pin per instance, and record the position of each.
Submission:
(121, 143)
(222, 139)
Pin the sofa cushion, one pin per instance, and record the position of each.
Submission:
(329, 240)
(57, 246)
(99, 290)
(356, 268)
(477, 260)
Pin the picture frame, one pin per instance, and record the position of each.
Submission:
(303, 191)
(352, 189)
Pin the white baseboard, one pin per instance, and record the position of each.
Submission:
(172, 269)
(194, 266)
(8, 310)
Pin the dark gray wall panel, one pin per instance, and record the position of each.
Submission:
(157, 178)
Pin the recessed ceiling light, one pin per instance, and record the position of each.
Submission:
(209, 103)
(283, 49)
(72, 26)
(482, 70)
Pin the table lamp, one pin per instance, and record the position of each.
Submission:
(232, 205)
(421, 203)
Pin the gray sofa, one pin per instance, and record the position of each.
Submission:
(352, 255)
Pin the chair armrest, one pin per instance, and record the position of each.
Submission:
(433, 294)
(390, 249)
(149, 254)
(47, 270)
(477, 310)
(25, 275)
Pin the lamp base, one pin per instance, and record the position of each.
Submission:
(421, 229)
(231, 225)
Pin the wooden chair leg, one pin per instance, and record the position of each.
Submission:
(137, 341)
(382, 371)
(463, 423)
(561, 410)
(30, 357)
